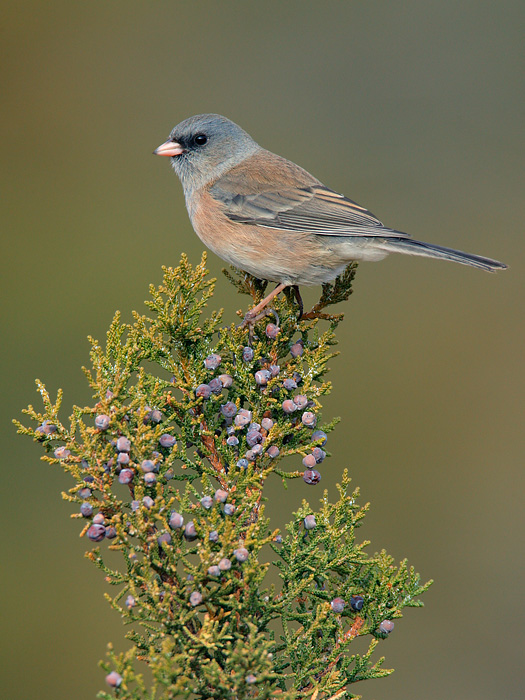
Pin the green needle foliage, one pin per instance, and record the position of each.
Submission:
(170, 463)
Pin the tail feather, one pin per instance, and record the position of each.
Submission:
(429, 250)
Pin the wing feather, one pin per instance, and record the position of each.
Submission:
(297, 203)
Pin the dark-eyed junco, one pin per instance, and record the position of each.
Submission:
(266, 215)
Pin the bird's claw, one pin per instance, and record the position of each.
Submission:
(251, 319)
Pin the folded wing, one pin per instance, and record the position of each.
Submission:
(288, 203)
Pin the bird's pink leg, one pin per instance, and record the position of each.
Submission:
(253, 314)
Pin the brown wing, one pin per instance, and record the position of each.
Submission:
(295, 202)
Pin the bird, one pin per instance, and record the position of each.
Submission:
(271, 218)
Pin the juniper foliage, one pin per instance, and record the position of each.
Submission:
(170, 465)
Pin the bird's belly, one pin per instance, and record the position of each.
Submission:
(290, 257)
(266, 257)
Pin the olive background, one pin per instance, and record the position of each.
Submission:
(413, 109)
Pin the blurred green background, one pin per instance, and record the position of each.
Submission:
(414, 109)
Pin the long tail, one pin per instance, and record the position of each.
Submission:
(428, 250)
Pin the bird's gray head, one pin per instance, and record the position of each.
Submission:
(205, 146)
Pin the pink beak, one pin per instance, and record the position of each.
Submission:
(169, 148)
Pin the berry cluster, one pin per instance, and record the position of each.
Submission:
(284, 409)
(146, 465)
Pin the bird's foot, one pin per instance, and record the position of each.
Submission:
(299, 302)
(259, 311)
(249, 322)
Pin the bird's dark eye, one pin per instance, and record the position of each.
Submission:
(200, 139)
